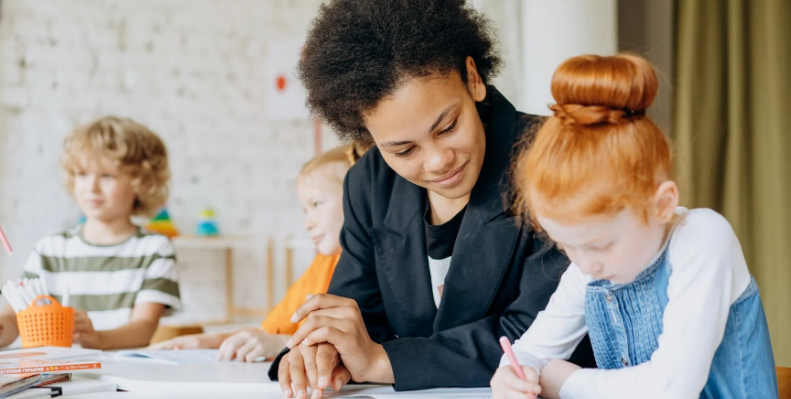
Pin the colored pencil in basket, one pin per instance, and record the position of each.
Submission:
(13, 297)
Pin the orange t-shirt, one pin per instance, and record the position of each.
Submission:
(316, 280)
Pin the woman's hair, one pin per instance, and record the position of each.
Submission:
(333, 164)
(598, 153)
(359, 51)
(132, 147)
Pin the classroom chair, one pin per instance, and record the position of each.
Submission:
(165, 333)
(784, 382)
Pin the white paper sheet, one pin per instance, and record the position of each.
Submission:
(183, 356)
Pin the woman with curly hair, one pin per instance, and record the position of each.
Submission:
(434, 267)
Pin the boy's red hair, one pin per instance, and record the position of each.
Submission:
(598, 153)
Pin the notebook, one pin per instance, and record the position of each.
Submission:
(10, 385)
(67, 388)
(79, 386)
(183, 356)
(47, 366)
(34, 393)
(48, 353)
(49, 379)
(48, 359)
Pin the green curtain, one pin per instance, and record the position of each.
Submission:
(732, 132)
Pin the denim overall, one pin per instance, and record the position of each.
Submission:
(625, 320)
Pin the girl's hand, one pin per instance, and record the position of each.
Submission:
(84, 334)
(194, 341)
(250, 344)
(507, 385)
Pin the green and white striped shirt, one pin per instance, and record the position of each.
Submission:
(107, 281)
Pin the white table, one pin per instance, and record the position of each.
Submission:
(476, 393)
(146, 377)
(147, 380)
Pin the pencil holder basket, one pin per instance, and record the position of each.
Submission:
(46, 325)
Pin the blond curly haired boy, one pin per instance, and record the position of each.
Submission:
(120, 278)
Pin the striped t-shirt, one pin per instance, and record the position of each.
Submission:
(106, 281)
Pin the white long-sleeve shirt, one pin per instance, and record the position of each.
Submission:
(709, 274)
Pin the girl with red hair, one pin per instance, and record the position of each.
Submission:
(663, 292)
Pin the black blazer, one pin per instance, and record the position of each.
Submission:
(501, 274)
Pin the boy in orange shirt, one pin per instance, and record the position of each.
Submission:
(320, 192)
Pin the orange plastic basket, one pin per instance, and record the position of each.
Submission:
(46, 325)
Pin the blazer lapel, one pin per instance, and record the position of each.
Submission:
(480, 259)
(401, 252)
(488, 234)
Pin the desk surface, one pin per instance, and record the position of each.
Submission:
(145, 379)
(432, 394)
(150, 377)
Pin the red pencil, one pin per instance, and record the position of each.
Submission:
(506, 344)
(5, 242)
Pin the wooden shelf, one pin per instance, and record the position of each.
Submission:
(218, 242)
(228, 245)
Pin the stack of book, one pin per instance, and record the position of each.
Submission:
(19, 386)
(41, 372)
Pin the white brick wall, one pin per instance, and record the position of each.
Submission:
(193, 71)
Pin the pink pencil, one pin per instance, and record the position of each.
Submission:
(506, 344)
(5, 242)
